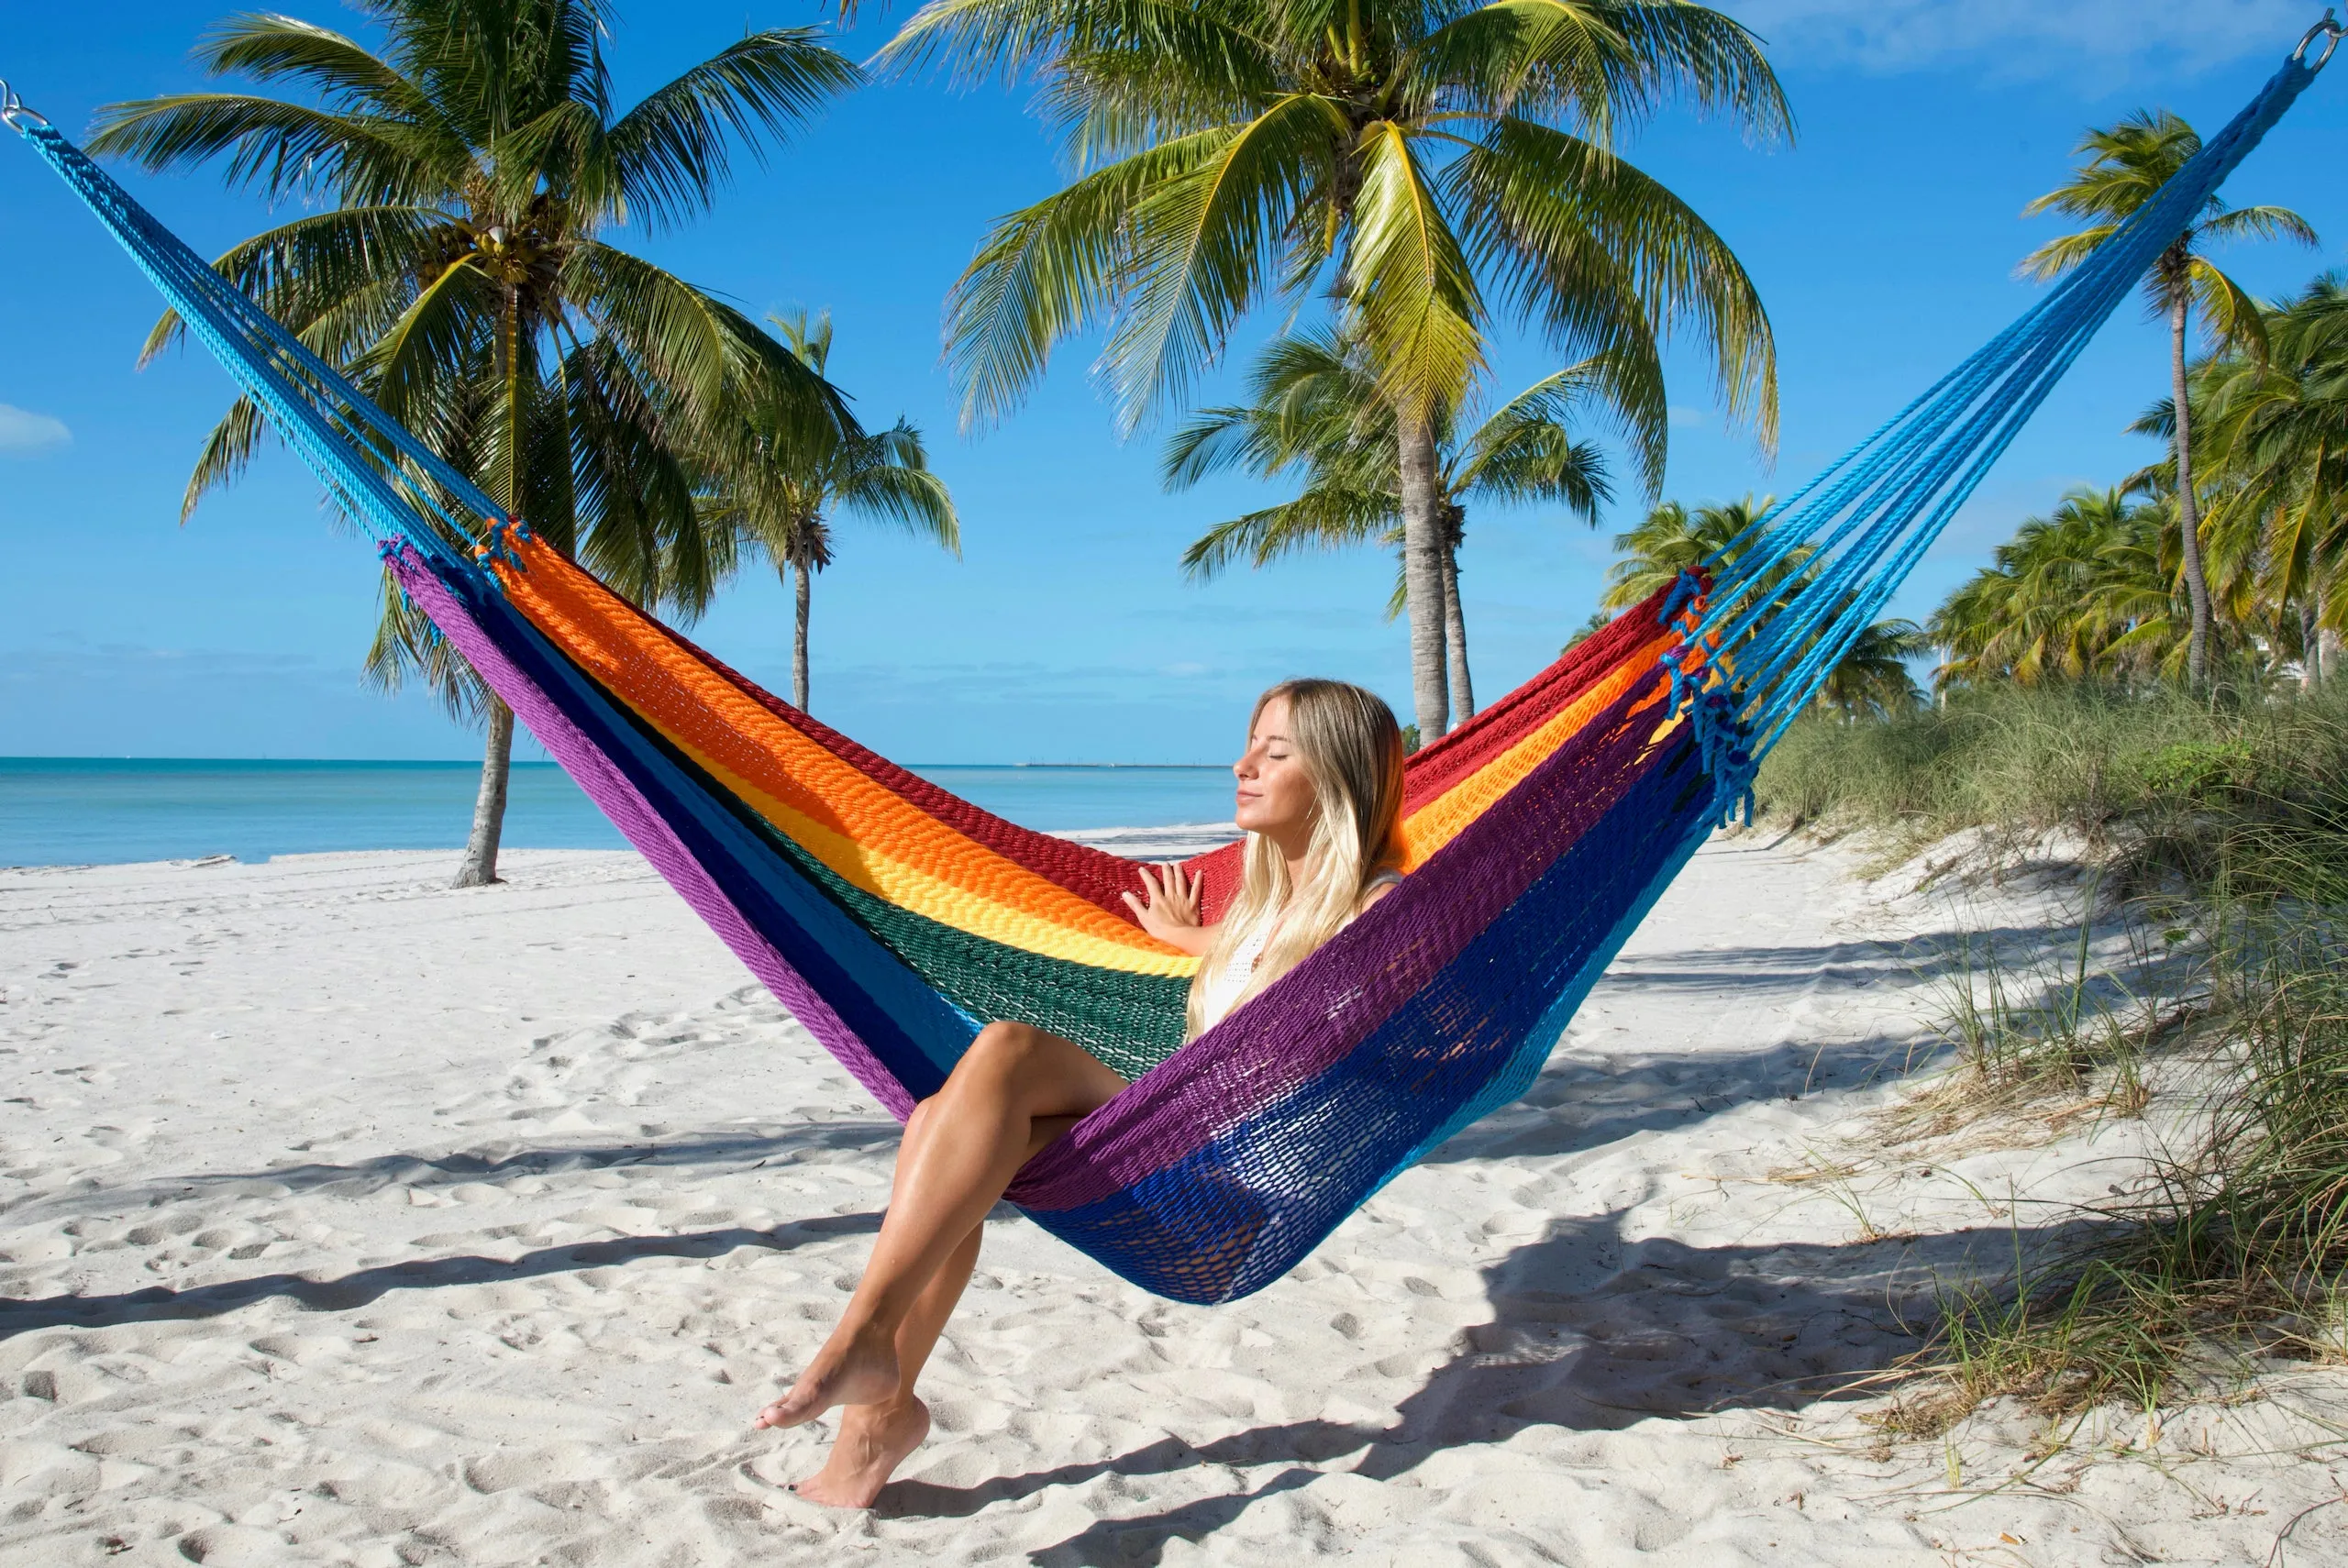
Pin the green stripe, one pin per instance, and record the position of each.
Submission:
(1130, 1021)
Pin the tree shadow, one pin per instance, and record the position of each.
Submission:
(158, 1303)
(1583, 1102)
(1589, 1331)
(361, 1177)
(1586, 1097)
(1926, 956)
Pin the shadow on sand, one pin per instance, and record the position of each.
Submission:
(1589, 1330)
(1588, 1333)
(365, 1285)
(360, 1177)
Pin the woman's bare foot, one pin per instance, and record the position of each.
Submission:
(874, 1439)
(858, 1371)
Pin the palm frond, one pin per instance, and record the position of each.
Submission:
(286, 150)
(1042, 274)
(1320, 519)
(1607, 259)
(1410, 283)
(672, 153)
(1201, 243)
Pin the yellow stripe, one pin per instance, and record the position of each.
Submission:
(1440, 821)
(935, 898)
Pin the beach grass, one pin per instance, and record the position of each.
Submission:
(2214, 1263)
(2060, 1034)
(2220, 829)
(2244, 794)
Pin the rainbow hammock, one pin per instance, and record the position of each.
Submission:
(893, 919)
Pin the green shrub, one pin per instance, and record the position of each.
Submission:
(2247, 796)
(2198, 770)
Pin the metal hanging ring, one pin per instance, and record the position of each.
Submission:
(2328, 29)
(14, 111)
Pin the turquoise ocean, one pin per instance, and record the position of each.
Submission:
(102, 811)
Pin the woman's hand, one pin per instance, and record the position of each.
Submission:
(1169, 910)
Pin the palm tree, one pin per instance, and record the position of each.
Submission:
(2125, 166)
(1316, 406)
(1871, 680)
(1402, 157)
(2088, 589)
(798, 476)
(1672, 539)
(465, 176)
(2277, 428)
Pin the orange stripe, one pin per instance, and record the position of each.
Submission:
(757, 755)
(1439, 822)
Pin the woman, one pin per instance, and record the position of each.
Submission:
(1319, 795)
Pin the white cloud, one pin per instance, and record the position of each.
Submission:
(1684, 418)
(22, 430)
(2105, 38)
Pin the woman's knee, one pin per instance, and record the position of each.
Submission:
(1000, 1050)
(1026, 1065)
(920, 1117)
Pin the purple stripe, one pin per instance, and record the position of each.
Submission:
(609, 789)
(1333, 1001)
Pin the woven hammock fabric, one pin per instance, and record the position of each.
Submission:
(894, 920)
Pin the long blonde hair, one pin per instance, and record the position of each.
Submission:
(1352, 751)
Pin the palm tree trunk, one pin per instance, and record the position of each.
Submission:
(802, 590)
(1422, 573)
(479, 868)
(2327, 641)
(2189, 515)
(2310, 648)
(1454, 637)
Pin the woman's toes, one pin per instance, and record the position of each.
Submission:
(804, 1402)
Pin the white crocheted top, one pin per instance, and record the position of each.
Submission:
(1225, 984)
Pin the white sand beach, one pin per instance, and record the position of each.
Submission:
(350, 1220)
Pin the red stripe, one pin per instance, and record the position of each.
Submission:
(1436, 768)
(1100, 878)
(1092, 875)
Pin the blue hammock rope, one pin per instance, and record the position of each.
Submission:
(1851, 535)
(354, 448)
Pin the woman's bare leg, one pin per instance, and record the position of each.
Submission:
(875, 1439)
(1013, 1090)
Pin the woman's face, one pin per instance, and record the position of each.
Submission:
(1274, 798)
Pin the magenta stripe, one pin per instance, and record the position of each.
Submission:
(609, 787)
(1330, 1004)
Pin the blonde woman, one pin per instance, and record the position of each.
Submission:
(1320, 794)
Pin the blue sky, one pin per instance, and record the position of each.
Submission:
(1883, 243)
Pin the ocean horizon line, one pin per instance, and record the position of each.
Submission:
(69, 810)
(475, 763)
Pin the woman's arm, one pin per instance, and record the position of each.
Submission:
(1169, 911)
